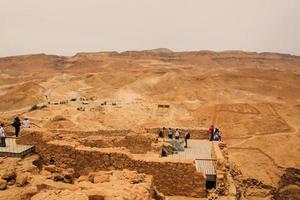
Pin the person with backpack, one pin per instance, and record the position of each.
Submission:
(2, 136)
(187, 136)
(17, 124)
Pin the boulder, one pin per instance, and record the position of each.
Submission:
(57, 177)
(9, 174)
(46, 174)
(3, 184)
(69, 175)
(52, 169)
(22, 180)
(91, 177)
(83, 179)
(11, 182)
(101, 178)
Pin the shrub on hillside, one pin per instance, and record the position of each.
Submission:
(36, 107)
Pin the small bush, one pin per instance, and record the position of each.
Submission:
(43, 106)
(36, 107)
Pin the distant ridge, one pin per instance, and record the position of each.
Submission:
(162, 52)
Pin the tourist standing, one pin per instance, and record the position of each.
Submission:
(211, 132)
(17, 124)
(161, 134)
(170, 133)
(26, 123)
(216, 135)
(2, 136)
(187, 136)
(164, 131)
(177, 134)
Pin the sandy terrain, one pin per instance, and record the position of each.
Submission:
(254, 98)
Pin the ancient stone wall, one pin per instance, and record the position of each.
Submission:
(136, 143)
(170, 178)
(220, 162)
(99, 132)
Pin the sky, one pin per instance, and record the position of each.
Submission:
(66, 27)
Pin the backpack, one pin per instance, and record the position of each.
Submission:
(188, 136)
(216, 137)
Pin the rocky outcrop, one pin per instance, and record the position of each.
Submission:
(22, 180)
(9, 174)
(289, 185)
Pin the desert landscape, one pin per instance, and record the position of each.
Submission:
(95, 119)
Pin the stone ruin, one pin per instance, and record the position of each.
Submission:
(118, 150)
(72, 157)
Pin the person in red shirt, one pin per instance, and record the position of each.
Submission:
(211, 132)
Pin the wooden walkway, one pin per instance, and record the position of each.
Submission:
(13, 149)
(199, 151)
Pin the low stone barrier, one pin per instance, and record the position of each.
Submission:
(170, 178)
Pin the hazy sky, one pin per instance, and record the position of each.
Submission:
(65, 27)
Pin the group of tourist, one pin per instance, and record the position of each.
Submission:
(214, 133)
(174, 133)
(17, 126)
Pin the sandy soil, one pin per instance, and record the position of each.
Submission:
(254, 98)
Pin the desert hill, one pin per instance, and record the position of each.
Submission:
(253, 97)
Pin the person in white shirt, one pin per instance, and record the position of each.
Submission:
(177, 134)
(26, 123)
(2, 136)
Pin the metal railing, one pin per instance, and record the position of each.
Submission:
(10, 148)
(7, 141)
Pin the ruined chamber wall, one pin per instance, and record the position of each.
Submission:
(170, 178)
(135, 143)
(139, 143)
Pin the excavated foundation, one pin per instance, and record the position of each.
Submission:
(91, 152)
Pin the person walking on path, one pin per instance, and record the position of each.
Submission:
(17, 124)
(187, 136)
(2, 136)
